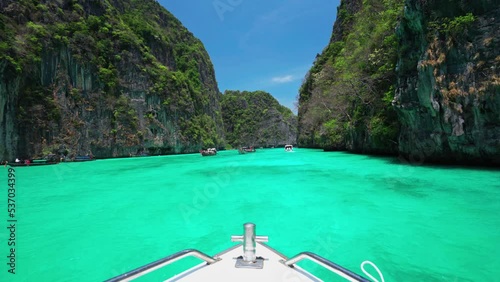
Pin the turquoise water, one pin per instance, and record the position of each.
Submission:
(94, 220)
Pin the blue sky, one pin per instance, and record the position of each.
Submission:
(257, 44)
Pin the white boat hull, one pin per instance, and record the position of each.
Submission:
(224, 270)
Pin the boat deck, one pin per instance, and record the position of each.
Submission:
(251, 261)
(273, 269)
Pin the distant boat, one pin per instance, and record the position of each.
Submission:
(33, 163)
(288, 148)
(250, 260)
(83, 158)
(244, 150)
(47, 160)
(209, 152)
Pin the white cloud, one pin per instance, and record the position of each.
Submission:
(283, 79)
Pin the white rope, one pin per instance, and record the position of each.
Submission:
(368, 274)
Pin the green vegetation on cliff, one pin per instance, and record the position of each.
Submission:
(420, 81)
(128, 63)
(257, 119)
(345, 101)
(103, 35)
(448, 98)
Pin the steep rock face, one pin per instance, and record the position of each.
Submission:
(437, 61)
(307, 130)
(257, 119)
(111, 78)
(8, 123)
(343, 102)
(448, 92)
(344, 21)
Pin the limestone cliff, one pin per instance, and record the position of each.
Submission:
(257, 119)
(418, 78)
(111, 78)
(344, 102)
(448, 91)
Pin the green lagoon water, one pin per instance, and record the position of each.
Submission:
(95, 220)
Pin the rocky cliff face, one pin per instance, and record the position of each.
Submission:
(341, 27)
(257, 119)
(448, 91)
(343, 102)
(438, 61)
(111, 78)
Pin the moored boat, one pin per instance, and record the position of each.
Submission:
(251, 260)
(244, 150)
(32, 163)
(83, 158)
(288, 148)
(209, 152)
(47, 160)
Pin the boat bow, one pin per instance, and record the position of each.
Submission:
(244, 262)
